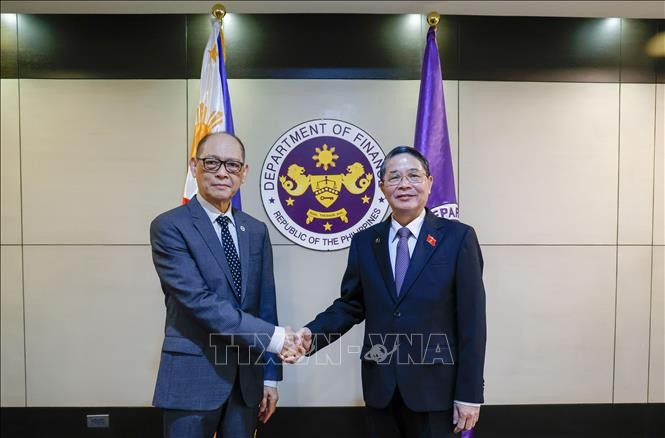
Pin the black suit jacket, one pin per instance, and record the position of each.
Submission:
(430, 340)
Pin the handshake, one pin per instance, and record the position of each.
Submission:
(296, 344)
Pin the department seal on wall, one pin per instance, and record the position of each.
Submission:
(319, 183)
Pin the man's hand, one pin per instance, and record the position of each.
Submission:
(465, 417)
(292, 350)
(305, 336)
(268, 404)
(296, 344)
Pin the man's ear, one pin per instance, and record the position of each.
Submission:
(245, 170)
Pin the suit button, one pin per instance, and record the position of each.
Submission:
(397, 314)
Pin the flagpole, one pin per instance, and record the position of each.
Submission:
(433, 19)
(218, 11)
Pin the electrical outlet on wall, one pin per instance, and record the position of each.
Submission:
(98, 421)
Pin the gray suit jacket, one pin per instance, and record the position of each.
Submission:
(210, 335)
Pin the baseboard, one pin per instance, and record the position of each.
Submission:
(497, 421)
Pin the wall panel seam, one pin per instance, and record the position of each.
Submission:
(609, 245)
(85, 244)
(186, 95)
(572, 245)
(20, 177)
(459, 146)
(616, 252)
(518, 81)
(649, 335)
(653, 230)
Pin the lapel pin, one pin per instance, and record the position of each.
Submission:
(378, 240)
(242, 228)
(431, 240)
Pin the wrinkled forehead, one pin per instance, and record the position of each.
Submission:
(403, 163)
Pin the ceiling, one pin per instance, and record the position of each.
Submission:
(628, 9)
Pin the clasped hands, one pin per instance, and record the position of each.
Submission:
(296, 344)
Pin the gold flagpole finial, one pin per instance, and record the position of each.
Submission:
(218, 11)
(656, 46)
(433, 19)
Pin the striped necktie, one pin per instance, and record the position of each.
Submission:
(402, 257)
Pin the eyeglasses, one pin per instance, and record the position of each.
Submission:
(396, 179)
(211, 164)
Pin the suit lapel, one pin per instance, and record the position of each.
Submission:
(243, 246)
(204, 226)
(380, 249)
(432, 229)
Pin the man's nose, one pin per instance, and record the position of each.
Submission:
(404, 183)
(222, 173)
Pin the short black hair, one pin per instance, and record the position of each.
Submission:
(404, 150)
(207, 136)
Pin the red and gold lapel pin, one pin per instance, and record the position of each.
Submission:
(431, 240)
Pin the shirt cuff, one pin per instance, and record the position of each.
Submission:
(277, 340)
(477, 405)
(270, 383)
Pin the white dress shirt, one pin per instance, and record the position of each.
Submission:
(277, 339)
(414, 226)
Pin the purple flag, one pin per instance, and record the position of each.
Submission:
(432, 133)
(432, 138)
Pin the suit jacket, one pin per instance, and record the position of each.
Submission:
(210, 335)
(430, 340)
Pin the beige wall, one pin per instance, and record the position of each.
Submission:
(562, 181)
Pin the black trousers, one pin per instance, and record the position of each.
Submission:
(398, 421)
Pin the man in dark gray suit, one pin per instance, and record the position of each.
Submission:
(218, 370)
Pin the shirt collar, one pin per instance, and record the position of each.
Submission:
(213, 212)
(414, 226)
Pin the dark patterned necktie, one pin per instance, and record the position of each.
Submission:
(231, 253)
(402, 257)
